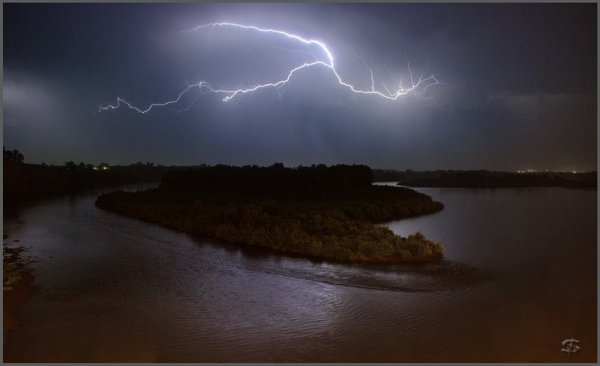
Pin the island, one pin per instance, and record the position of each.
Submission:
(324, 213)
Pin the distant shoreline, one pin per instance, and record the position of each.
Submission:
(487, 179)
(27, 184)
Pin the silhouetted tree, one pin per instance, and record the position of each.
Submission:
(70, 166)
(13, 155)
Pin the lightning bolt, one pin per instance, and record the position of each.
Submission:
(418, 87)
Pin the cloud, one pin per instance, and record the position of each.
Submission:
(515, 86)
(27, 100)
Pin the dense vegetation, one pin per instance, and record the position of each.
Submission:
(25, 183)
(12, 155)
(487, 179)
(321, 212)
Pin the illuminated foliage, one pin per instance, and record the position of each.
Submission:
(321, 212)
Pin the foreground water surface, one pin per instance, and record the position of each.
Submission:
(519, 277)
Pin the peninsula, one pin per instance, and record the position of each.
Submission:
(328, 213)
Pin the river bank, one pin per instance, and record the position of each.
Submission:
(18, 284)
(28, 184)
(488, 179)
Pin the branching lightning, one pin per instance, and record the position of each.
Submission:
(418, 87)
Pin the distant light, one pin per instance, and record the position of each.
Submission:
(528, 171)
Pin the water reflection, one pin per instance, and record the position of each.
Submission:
(518, 278)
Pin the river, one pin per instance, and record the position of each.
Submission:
(519, 277)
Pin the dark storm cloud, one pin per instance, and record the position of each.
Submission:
(519, 85)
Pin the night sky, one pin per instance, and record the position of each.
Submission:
(518, 85)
